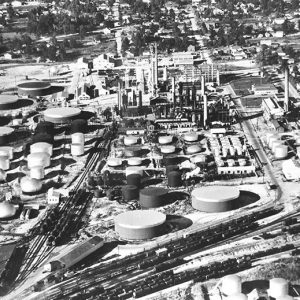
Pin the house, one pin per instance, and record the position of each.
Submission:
(81, 92)
(53, 196)
(9, 55)
(277, 126)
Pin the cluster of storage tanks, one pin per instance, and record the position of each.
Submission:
(232, 288)
(277, 146)
(226, 146)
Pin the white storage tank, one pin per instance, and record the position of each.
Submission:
(135, 170)
(275, 144)
(273, 139)
(77, 138)
(130, 140)
(114, 162)
(281, 151)
(77, 149)
(220, 163)
(191, 137)
(278, 287)
(230, 162)
(231, 285)
(38, 159)
(242, 162)
(134, 161)
(37, 172)
(193, 149)
(200, 158)
(166, 139)
(168, 149)
(4, 163)
(30, 185)
(298, 151)
(7, 151)
(41, 147)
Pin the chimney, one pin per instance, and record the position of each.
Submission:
(286, 89)
(173, 92)
(202, 85)
(120, 104)
(204, 110)
(218, 77)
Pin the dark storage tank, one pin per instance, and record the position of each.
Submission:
(5, 135)
(170, 160)
(79, 125)
(170, 168)
(45, 127)
(153, 197)
(130, 192)
(132, 152)
(174, 179)
(134, 179)
(42, 137)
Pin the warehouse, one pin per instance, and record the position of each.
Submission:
(140, 224)
(215, 198)
(61, 115)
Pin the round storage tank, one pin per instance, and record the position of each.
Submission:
(7, 151)
(130, 192)
(45, 127)
(30, 185)
(230, 162)
(191, 137)
(42, 147)
(168, 149)
(174, 179)
(77, 149)
(231, 284)
(61, 115)
(5, 133)
(77, 138)
(79, 125)
(276, 144)
(135, 161)
(114, 162)
(134, 179)
(281, 151)
(139, 224)
(37, 172)
(242, 162)
(42, 137)
(135, 170)
(166, 139)
(153, 197)
(215, 198)
(7, 210)
(2, 175)
(4, 163)
(170, 168)
(132, 152)
(278, 287)
(273, 139)
(130, 140)
(38, 159)
(193, 149)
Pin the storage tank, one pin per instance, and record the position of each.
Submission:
(130, 192)
(7, 151)
(77, 138)
(77, 149)
(230, 162)
(5, 135)
(242, 162)
(135, 170)
(79, 125)
(278, 287)
(45, 127)
(193, 149)
(134, 161)
(200, 158)
(170, 168)
(38, 159)
(42, 137)
(114, 162)
(41, 147)
(275, 144)
(231, 284)
(4, 163)
(132, 152)
(273, 139)
(30, 185)
(37, 172)
(281, 151)
(174, 179)
(167, 149)
(134, 179)
(7, 210)
(153, 197)
(166, 139)
(130, 140)
(191, 137)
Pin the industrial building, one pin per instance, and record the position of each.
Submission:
(139, 224)
(215, 198)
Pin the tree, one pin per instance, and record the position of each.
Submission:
(99, 17)
(288, 27)
(82, 31)
(172, 14)
(10, 11)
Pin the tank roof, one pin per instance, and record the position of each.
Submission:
(154, 191)
(7, 210)
(8, 99)
(66, 112)
(138, 219)
(6, 130)
(34, 85)
(216, 193)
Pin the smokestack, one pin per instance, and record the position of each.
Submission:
(286, 89)
(173, 92)
(120, 104)
(165, 74)
(204, 110)
(218, 77)
(140, 98)
(212, 73)
(202, 85)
